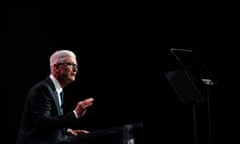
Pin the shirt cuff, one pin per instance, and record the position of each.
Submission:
(75, 113)
(69, 130)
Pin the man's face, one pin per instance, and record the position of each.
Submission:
(67, 70)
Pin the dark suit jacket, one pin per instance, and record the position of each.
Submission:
(42, 122)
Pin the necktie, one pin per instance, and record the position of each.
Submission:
(62, 98)
(62, 101)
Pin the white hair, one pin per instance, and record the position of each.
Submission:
(59, 57)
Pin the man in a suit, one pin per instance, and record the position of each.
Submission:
(42, 120)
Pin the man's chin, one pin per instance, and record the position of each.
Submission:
(72, 79)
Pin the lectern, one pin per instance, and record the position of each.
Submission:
(115, 135)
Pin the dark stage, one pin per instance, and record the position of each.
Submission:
(124, 51)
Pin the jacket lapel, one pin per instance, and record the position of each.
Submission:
(54, 95)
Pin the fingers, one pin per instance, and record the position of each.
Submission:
(88, 102)
(77, 132)
(81, 131)
(83, 105)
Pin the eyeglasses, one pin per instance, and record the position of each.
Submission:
(72, 65)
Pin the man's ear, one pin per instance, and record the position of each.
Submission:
(56, 67)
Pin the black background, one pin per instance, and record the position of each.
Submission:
(123, 51)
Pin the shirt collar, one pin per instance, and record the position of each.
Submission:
(56, 84)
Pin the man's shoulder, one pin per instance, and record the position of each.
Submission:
(43, 84)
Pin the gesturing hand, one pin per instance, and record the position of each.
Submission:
(76, 132)
(82, 106)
